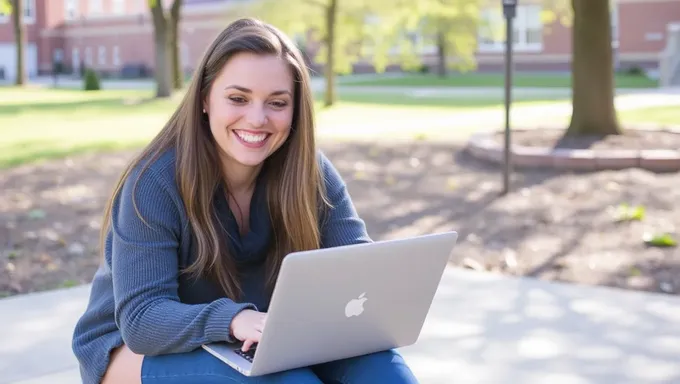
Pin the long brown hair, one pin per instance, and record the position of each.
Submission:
(295, 186)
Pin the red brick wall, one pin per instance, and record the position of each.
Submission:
(644, 25)
(557, 39)
(134, 39)
(643, 30)
(642, 36)
(7, 31)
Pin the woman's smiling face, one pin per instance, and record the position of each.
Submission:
(250, 108)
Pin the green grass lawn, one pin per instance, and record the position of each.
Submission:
(37, 124)
(494, 80)
(405, 99)
(669, 115)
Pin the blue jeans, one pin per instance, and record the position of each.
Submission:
(201, 367)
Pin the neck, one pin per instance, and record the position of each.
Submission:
(240, 178)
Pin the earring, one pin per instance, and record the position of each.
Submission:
(204, 110)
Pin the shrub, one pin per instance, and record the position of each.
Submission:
(91, 81)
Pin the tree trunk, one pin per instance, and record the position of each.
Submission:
(20, 40)
(592, 71)
(177, 73)
(331, 15)
(162, 71)
(441, 53)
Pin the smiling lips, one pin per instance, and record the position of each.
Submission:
(252, 139)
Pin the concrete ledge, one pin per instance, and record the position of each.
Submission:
(482, 146)
(482, 328)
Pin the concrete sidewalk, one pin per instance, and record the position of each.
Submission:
(482, 328)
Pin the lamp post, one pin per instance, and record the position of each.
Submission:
(509, 11)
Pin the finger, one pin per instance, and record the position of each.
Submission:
(246, 345)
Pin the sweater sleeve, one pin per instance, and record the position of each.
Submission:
(341, 224)
(144, 265)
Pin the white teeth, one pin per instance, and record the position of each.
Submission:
(250, 138)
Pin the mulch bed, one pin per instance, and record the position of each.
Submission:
(631, 139)
(553, 226)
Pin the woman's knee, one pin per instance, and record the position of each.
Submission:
(386, 366)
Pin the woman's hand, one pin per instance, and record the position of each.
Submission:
(248, 326)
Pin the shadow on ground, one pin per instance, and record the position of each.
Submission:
(490, 330)
(555, 226)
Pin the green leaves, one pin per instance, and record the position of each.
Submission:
(381, 32)
(659, 240)
(625, 212)
(5, 7)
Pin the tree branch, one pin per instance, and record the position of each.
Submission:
(158, 15)
(174, 10)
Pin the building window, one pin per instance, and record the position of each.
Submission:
(118, 7)
(115, 56)
(70, 9)
(29, 9)
(615, 23)
(527, 29)
(58, 55)
(95, 7)
(75, 59)
(88, 57)
(101, 57)
(184, 53)
(29, 12)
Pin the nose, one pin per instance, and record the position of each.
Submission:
(256, 116)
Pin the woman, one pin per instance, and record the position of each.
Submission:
(198, 225)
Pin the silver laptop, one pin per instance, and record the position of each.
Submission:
(347, 301)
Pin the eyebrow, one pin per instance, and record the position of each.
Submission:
(246, 90)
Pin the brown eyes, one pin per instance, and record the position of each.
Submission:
(241, 100)
(237, 99)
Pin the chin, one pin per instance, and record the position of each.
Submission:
(250, 160)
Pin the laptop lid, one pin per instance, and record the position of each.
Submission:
(340, 302)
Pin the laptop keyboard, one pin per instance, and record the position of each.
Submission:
(249, 355)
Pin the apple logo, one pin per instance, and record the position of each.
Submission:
(355, 307)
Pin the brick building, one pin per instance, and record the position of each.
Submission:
(115, 36)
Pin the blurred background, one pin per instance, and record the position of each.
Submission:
(415, 103)
(410, 107)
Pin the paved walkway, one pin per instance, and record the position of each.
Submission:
(490, 91)
(456, 123)
(482, 328)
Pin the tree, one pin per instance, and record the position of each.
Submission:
(347, 31)
(593, 112)
(16, 8)
(592, 67)
(452, 27)
(177, 73)
(165, 29)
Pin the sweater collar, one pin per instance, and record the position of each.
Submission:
(253, 246)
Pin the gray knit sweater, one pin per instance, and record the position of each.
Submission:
(139, 298)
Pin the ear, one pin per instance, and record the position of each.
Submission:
(205, 106)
